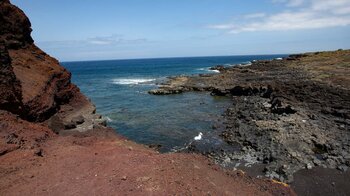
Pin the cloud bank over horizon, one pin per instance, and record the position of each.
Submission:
(298, 15)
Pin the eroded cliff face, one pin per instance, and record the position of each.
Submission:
(33, 84)
(15, 27)
(10, 87)
(37, 98)
(10, 33)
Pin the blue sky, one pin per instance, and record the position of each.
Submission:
(115, 29)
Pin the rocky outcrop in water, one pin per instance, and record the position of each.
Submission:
(287, 115)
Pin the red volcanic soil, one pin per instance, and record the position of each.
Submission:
(53, 143)
(105, 165)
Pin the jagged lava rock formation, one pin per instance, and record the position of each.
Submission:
(287, 116)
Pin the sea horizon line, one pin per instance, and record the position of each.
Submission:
(175, 57)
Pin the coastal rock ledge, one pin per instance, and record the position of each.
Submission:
(288, 117)
(53, 143)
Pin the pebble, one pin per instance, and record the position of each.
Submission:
(331, 163)
(317, 162)
(273, 175)
(343, 168)
(309, 166)
(267, 105)
(227, 160)
(294, 154)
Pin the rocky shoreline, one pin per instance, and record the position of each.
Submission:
(287, 114)
(52, 142)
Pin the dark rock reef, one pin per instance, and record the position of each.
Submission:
(287, 115)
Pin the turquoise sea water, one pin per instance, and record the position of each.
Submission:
(119, 88)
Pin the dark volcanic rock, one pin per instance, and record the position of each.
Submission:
(14, 32)
(78, 120)
(220, 92)
(288, 114)
(218, 67)
(165, 91)
(15, 27)
(10, 87)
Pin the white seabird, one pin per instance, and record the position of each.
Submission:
(199, 137)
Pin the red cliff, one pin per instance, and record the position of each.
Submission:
(34, 84)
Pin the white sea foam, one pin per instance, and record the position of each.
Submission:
(108, 119)
(248, 63)
(233, 65)
(208, 70)
(128, 81)
(142, 92)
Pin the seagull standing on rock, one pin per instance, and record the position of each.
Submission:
(199, 137)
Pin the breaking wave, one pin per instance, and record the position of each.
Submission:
(130, 81)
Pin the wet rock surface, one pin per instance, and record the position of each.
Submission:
(287, 115)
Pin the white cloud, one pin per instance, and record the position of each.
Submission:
(290, 3)
(222, 27)
(333, 6)
(102, 41)
(314, 15)
(255, 15)
(295, 3)
(112, 40)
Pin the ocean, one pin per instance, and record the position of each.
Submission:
(119, 89)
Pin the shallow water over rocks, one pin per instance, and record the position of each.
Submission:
(119, 90)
